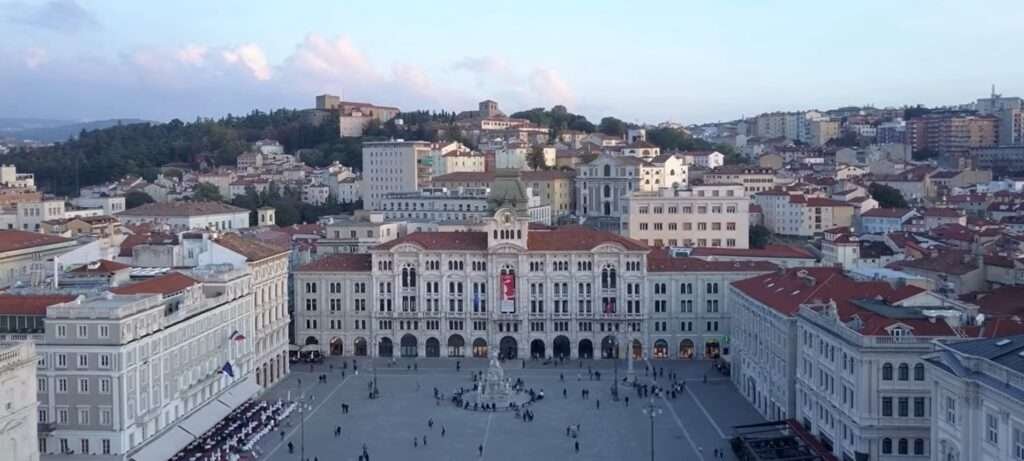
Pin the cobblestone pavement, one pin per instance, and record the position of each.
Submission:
(689, 427)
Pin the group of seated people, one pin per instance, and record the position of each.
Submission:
(237, 434)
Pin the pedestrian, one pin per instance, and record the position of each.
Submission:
(458, 365)
(561, 377)
(627, 400)
(705, 378)
(443, 430)
(415, 442)
(291, 448)
(576, 445)
(598, 403)
(480, 449)
(565, 393)
(430, 423)
(424, 440)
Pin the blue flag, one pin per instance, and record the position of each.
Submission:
(227, 370)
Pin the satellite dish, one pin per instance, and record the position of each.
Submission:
(979, 319)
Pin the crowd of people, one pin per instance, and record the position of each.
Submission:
(236, 435)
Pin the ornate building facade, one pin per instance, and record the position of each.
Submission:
(527, 291)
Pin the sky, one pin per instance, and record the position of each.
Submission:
(642, 61)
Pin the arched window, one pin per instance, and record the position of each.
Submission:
(919, 372)
(408, 277)
(607, 190)
(887, 372)
(919, 447)
(607, 170)
(886, 446)
(902, 447)
(608, 281)
(904, 372)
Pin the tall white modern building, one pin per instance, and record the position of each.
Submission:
(394, 166)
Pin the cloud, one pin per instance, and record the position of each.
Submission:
(186, 80)
(64, 16)
(251, 57)
(192, 54)
(36, 57)
(326, 61)
(550, 88)
(482, 65)
(498, 79)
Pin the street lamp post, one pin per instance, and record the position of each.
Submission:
(302, 421)
(651, 410)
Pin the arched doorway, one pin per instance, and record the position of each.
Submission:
(360, 347)
(609, 348)
(456, 346)
(409, 346)
(337, 347)
(479, 348)
(661, 349)
(560, 347)
(585, 349)
(311, 340)
(686, 349)
(386, 348)
(712, 350)
(537, 349)
(638, 349)
(508, 348)
(433, 347)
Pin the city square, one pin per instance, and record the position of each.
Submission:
(691, 426)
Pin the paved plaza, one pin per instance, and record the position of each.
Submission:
(701, 417)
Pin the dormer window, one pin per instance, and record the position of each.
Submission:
(897, 332)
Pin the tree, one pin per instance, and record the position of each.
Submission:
(759, 236)
(887, 197)
(207, 192)
(612, 126)
(535, 159)
(136, 198)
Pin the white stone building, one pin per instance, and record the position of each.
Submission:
(181, 216)
(977, 394)
(18, 423)
(715, 216)
(570, 291)
(443, 205)
(842, 357)
(788, 213)
(138, 374)
(24, 256)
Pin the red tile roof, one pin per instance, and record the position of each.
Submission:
(953, 262)
(943, 212)
(11, 240)
(786, 292)
(1003, 301)
(577, 238)
(566, 238)
(182, 209)
(660, 260)
(251, 248)
(449, 241)
(103, 266)
(30, 304)
(769, 251)
(339, 263)
(164, 284)
(886, 213)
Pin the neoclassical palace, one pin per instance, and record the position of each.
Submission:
(528, 291)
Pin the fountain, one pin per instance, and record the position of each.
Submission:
(495, 389)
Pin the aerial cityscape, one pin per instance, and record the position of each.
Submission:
(248, 232)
